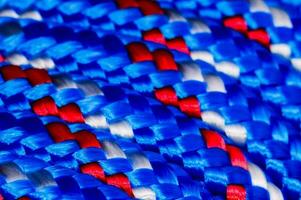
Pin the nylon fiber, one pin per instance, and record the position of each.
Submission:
(143, 99)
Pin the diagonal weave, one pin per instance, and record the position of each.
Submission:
(142, 99)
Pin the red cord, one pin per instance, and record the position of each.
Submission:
(93, 169)
(12, 72)
(154, 35)
(190, 106)
(59, 132)
(71, 113)
(164, 60)
(37, 76)
(167, 96)
(121, 181)
(45, 106)
(178, 44)
(237, 157)
(86, 139)
(236, 192)
(139, 52)
(213, 139)
(148, 7)
(237, 23)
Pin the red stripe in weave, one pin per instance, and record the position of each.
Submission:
(71, 113)
(237, 157)
(190, 106)
(22, 198)
(178, 44)
(149, 7)
(45, 106)
(213, 139)
(121, 181)
(164, 60)
(167, 95)
(260, 36)
(126, 3)
(93, 169)
(12, 72)
(37, 76)
(59, 132)
(1, 60)
(154, 35)
(139, 52)
(86, 139)
(237, 23)
(236, 192)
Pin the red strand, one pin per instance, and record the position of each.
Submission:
(190, 106)
(37, 76)
(237, 157)
(236, 192)
(178, 44)
(45, 106)
(1, 60)
(167, 95)
(71, 113)
(12, 72)
(164, 60)
(237, 23)
(154, 35)
(59, 132)
(213, 139)
(149, 7)
(121, 181)
(86, 139)
(93, 169)
(21, 198)
(139, 52)
(126, 4)
(260, 36)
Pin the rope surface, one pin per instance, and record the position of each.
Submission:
(142, 99)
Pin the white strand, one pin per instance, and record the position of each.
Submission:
(112, 150)
(191, 71)
(89, 88)
(257, 176)
(175, 16)
(9, 13)
(198, 27)
(122, 129)
(281, 49)
(258, 6)
(275, 192)
(214, 84)
(237, 133)
(228, 68)
(203, 55)
(12, 172)
(32, 15)
(17, 59)
(97, 121)
(42, 63)
(144, 193)
(213, 118)
(280, 18)
(139, 161)
(63, 81)
(296, 62)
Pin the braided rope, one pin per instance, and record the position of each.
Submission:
(79, 90)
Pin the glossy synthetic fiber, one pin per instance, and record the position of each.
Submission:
(142, 99)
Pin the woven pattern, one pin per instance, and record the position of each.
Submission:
(141, 99)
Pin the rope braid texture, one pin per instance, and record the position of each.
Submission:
(141, 99)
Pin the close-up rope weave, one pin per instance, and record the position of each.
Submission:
(145, 99)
